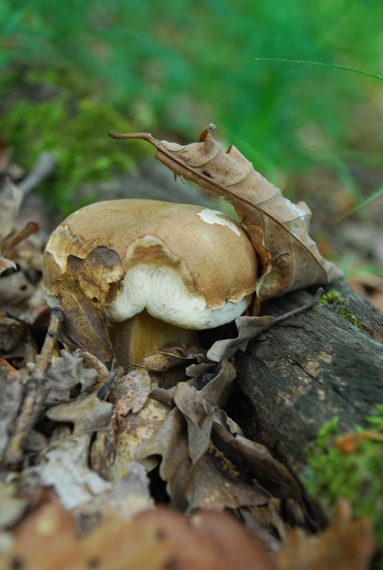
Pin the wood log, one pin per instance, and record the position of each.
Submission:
(301, 373)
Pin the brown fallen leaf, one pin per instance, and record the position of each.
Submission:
(191, 403)
(87, 412)
(268, 471)
(215, 485)
(131, 392)
(103, 451)
(137, 417)
(171, 443)
(248, 328)
(266, 523)
(277, 228)
(84, 324)
(347, 442)
(66, 372)
(8, 367)
(66, 469)
(164, 360)
(157, 539)
(345, 544)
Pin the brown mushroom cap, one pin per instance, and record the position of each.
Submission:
(179, 248)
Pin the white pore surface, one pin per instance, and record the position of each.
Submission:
(161, 291)
(215, 217)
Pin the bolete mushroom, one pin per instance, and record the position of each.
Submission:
(157, 271)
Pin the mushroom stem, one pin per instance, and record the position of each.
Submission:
(142, 334)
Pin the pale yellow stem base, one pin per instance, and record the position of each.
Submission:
(142, 334)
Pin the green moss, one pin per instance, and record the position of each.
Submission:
(338, 303)
(332, 297)
(75, 129)
(356, 476)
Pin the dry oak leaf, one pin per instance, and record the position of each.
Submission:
(87, 412)
(278, 229)
(64, 373)
(171, 443)
(66, 469)
(345, 544)
(194, 405)
(158, 539)
(137, 417)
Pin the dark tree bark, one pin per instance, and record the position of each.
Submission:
(303, 372)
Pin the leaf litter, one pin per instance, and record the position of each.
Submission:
(78, 435)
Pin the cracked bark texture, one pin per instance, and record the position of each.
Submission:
(303, 372)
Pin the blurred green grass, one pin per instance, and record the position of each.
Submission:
(174, 67)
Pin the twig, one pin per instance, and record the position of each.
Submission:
(35, 393)
(43, 168)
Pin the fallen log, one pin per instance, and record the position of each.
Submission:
(322, 363)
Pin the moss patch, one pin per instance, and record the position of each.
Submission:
(356, 475)
(338, 304)
(74, 127)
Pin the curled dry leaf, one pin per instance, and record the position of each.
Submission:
(168, 358)
(268, 471)
(277, 228)
(66, 372)
(192, 404)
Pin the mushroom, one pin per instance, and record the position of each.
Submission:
(156, 271)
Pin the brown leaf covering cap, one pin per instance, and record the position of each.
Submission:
(277, 228)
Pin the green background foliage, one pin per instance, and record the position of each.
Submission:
(356, 476)
(178, 65)
(74, 129)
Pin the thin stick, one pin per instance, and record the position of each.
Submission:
(45, 165)
(35, 393)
